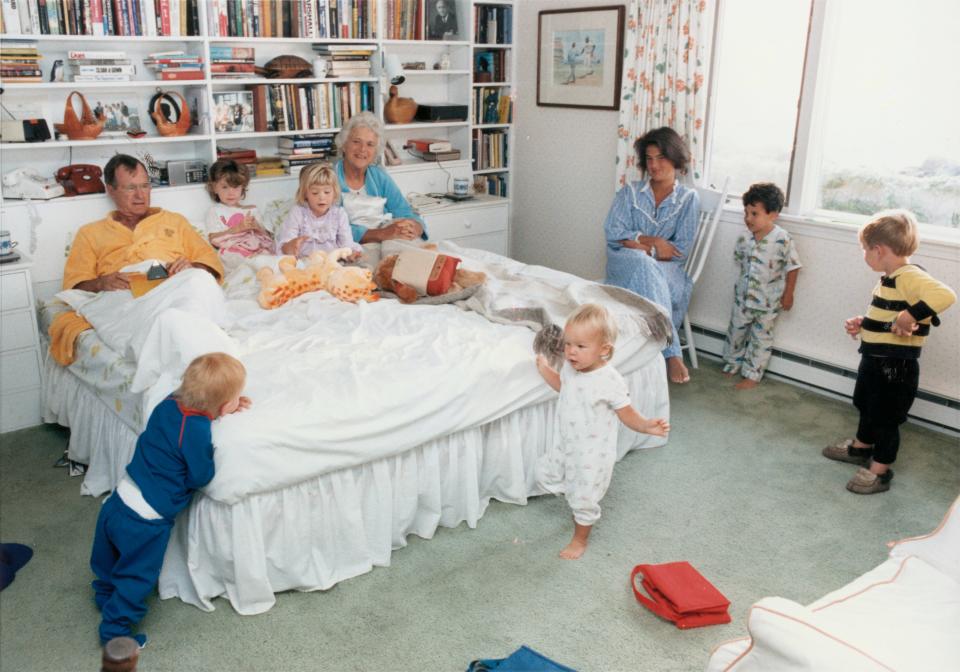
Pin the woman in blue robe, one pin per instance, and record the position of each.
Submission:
(650, 229)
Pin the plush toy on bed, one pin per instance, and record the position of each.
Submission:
(321, 271)
(423, 272)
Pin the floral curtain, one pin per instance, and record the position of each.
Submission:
(663, 85)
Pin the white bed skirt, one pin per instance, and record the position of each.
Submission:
(315, 534)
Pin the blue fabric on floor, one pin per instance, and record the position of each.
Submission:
(12, 558)
(523, 659)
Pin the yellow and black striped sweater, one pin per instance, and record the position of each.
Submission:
(908, 288)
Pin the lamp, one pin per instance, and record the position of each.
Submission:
(391, 64)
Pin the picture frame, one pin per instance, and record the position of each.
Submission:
(442, 20)
(233, 111)
(580, 57)
(121, 109)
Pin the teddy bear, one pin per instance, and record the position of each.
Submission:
(459, 279)
(321, 270)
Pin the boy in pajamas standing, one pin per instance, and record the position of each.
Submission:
(769, 265)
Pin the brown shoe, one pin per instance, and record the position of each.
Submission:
(845, 452)
(865, 482)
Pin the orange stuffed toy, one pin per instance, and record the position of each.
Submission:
(321, 271)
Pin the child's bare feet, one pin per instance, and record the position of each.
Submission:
(677, 371)
(577, 545)
(746, 384)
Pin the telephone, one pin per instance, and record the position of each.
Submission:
(81, 178)
(28, 183)
(390, 156)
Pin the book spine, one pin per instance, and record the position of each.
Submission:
(104, 69)
(91, 55)
(181, 74)
(11, 17)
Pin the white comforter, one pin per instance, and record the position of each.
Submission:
(333, 384)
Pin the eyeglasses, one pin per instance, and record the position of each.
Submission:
(133, 188)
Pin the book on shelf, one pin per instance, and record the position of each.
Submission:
(236, 153)
(305, 141)
(181, 74)
(429, 145)
(102, 18)
(451, 155)
(347, 19)
(302, 151)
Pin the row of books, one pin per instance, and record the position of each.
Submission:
(349, 19)
(228, 62)
(20, 61)
(405, 20)
(492, 105)
(493, 24)
(496, 184)
(101, 17)
(175, 65)
(347, 60)
(296, 107)
(490, 149)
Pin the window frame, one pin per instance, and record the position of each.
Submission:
(805, 161)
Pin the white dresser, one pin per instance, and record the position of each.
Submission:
(20, 363)
(482, 222)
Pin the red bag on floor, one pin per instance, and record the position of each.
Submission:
(680, 594)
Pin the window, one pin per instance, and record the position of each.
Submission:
(876, 124)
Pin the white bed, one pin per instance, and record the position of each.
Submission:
(370, 423)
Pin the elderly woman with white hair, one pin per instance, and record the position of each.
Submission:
(375, 205)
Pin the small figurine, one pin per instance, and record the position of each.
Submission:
(445, 61)
(56, 71)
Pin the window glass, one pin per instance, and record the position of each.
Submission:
(757, 88)
(891, 133)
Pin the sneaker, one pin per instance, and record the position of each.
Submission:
(845, 452)
(865, 482)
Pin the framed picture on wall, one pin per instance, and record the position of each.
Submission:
(580, 57)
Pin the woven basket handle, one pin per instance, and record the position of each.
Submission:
(86, 114)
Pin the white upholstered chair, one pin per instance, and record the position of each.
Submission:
(711, 206)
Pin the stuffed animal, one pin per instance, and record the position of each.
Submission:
(445, 278)
(321, 271)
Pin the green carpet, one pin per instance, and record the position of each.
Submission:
(741, 491)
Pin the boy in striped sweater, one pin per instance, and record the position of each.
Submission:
(906, 303)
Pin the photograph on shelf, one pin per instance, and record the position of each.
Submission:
(483, 66)
(121, 110)
(442, 20)
(578, 58)
(233, 111)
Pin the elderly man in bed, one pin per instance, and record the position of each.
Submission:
(132, 233)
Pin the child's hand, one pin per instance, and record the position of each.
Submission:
(245, 403)
(852, 326)
(657, 427)
(543, 365)
(786, 301)
(353, 257)
(904, 325)
(292, 247)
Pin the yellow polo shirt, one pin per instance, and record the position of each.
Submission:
(106, 246)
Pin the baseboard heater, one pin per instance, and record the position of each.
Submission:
(930, 409)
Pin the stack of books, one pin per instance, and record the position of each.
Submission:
(228, 62)
(240, 155)
(99, 66)
(270, 166)
(19, 62)
(302, 150)
(347, 60)
(430, 149)
(175, 65)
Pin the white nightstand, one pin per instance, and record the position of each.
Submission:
(482, 222)
(20, 363)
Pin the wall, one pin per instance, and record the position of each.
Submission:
(564, 183)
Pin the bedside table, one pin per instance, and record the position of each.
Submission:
(20, 362)
(482, 222)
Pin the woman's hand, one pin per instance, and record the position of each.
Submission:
(664, 250)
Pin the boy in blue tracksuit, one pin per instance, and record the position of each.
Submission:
(173, 457)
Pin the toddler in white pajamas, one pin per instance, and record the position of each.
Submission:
(593, 400)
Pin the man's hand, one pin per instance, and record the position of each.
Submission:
(105, 283)
(178, 264)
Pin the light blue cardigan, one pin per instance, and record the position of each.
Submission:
(378, 183)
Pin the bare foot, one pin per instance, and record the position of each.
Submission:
(676, 370)
(574, 550)
(746, 384)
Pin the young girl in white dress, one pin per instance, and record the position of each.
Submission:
(593, 397)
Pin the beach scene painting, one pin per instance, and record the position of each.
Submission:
(578, 58)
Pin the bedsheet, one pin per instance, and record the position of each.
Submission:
(393, 376)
